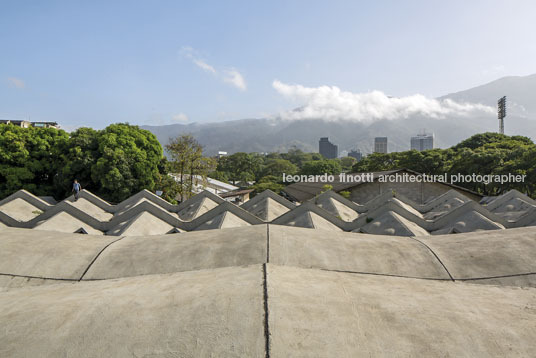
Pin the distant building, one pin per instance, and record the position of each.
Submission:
(212, 185)
(222, 154)
(45, 124)
(328, 149)
(237, 196)
(26, 124)
(356, 154)
(380, 145)
(422, 142)
(23, 124)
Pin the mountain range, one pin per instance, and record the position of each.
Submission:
(276, 134)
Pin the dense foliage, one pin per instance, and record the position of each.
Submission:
(114, 163)
(122, 159)
(482, 154)
(30, 158)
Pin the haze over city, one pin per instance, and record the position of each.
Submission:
(95, 63)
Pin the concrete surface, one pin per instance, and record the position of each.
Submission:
(9, 282)
(496, 255)
(212, 313)
(390, 223)
(135, 256)
(46, 254)
(486, 254)
(144, 223)
(21, 210)
(326, 293)
(316, 313)
(92, 209)
(376, 254)
(64, 222)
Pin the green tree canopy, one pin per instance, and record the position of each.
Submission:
(30, 158)
(319, 167)
(241, 167)
(128, 159)
(276, 168)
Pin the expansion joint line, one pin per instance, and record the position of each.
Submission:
(267, 243)
(266, 318)
(96, 257)
(433, 253)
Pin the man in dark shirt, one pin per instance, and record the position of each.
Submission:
(76, 189)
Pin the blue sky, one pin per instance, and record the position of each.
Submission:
(93, 63)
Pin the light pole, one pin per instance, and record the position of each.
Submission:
(501, 104)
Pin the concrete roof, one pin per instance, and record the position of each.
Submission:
(303, 191)
(389, 213)
(267, 290)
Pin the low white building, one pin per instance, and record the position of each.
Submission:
(212, 185)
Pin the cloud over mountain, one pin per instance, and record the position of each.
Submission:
(331, 103)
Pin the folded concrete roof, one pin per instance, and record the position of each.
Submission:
(389, 213)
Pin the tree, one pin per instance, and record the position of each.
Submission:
(319, 167)
(188, 163)
(166, 183)
(241, 167)
(268, 182)
(128, 159)
(277, 167)
(347, 163)
(79, 156)
(30, 158)
(298, 157)
(481, 154)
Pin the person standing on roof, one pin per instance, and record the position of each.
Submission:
(76, 189)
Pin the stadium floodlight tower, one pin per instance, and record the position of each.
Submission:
(501, 113)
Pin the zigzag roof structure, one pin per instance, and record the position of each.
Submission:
(388, 214)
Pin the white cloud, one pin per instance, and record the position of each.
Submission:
(180, 117)
(331, 103)
(230, 76)
(16, 82)
(235, 78)
(204, 66)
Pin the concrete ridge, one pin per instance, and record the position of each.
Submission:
(428, 258)
(405, 224)
(306, 208)
(144, 200)
(511, 194)
(333, 195)
(28, 197)
(225, 206)
(265, 195)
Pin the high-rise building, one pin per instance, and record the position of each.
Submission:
(422, 142)
(356, 154)
(327, 149)
(380, 145)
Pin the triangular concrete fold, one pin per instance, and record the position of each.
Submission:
(390, 223)
(142, 224)
(65, 222)
(468, 222)
(222, 221)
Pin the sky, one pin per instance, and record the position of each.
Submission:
(92, 63)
